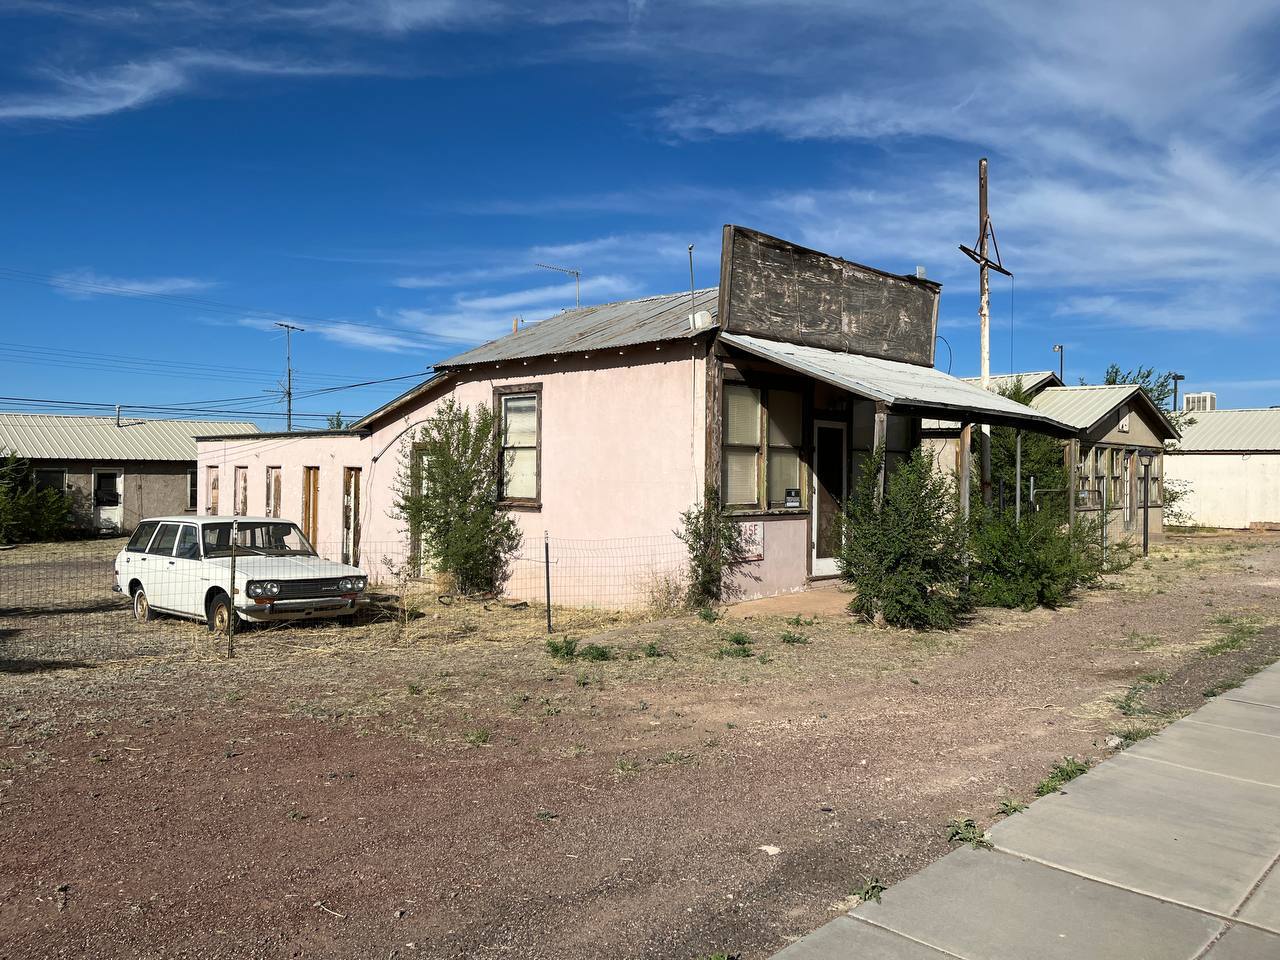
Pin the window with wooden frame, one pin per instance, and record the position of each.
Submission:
(192, 484)
(519, 410)
(274, 479)
(211, 490)
(763, 435)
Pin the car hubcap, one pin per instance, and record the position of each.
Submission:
(220, 619)
(140, 605)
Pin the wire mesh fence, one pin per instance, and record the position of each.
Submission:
(170, 586)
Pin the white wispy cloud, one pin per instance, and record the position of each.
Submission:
(86, 284)
(128, 86)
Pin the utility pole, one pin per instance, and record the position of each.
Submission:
(986, 233)
(984, 323)
(288, 372)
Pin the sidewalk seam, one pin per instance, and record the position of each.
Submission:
(1252, 703)
(1204, 911)
(1223, 726)
(907, 936)
(1257, 884)
(1212, 773)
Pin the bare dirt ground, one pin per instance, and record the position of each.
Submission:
(444, 787)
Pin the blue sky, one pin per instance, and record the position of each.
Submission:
(390, 172)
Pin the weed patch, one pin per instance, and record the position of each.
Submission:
(793, 639)
(1011, 805)
(1061, 773)
(478, 737)
(966, 831)
(565, 649)
(871, 889)
(737, 644)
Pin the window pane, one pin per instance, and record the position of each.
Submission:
(47, 479)
(519, 421)
(520, 480)
(188, 544)
(897, 433)
(141, 536)
(784, 472)
(163, 543)
(785, 419)
(740, 476)
(741, 415)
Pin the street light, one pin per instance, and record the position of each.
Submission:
(1145, 459)
(1061, 351)
(1177, 379)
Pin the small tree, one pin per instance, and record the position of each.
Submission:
(335, 422)
(1039, 561)
(715, 542)
(27, 513)
(906, 555)
(447, 492)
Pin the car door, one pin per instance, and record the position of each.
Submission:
(157, 564)
(186, 587)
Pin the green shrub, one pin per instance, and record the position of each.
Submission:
(29, 514)
(715, 543)
(906, 556)
(566, 649)
(595, 653)
(1039, 561)
(448, 494)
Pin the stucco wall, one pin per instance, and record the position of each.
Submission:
(1229, 489)
(150, 488)
(622, 456)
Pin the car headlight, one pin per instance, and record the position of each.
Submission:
(345, 585)
(272, 588)
(255, 590)
(359, 583)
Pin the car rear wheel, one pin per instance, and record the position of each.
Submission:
(142, 606)
(218, 613)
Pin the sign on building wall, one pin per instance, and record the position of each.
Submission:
(752, 539)
(774, 289)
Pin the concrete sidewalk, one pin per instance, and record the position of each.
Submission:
(1167, 851)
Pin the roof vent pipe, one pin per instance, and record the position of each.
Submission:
(117, 414)
(920, 273)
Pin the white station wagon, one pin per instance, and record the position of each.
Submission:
(182, 566)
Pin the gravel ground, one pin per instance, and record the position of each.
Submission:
(444, 787)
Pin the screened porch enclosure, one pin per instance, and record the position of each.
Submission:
(797, 430)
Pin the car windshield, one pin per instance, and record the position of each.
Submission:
(274, 538)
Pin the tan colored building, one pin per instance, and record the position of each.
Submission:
(1117, 426)
(116, 471)
(1229, 461)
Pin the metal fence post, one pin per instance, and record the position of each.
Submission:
(546, 562)
(231, 618)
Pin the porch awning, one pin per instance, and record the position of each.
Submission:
(907, 388)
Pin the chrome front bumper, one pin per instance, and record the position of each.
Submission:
(301, 609)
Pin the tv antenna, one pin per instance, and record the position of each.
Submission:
(577, 280)
(289, 328)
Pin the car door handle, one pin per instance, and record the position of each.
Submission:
(171, 563)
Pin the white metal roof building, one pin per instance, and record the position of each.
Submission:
(1229, 463)
(50, 437)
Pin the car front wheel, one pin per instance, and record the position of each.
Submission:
(142, 606)
(218, 613)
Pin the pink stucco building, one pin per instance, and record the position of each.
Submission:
(773, 386)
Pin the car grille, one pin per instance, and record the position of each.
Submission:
(307, 589)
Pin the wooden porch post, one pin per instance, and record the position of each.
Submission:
(878, 445)
(1073, 455)
(966, 441)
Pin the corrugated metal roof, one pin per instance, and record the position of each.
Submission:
(898, 384)
(49, 437)
(1083, 406)
(602, 327)
(1231, 430)
(1031, 382)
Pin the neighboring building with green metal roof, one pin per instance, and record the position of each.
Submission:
(117, 471)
